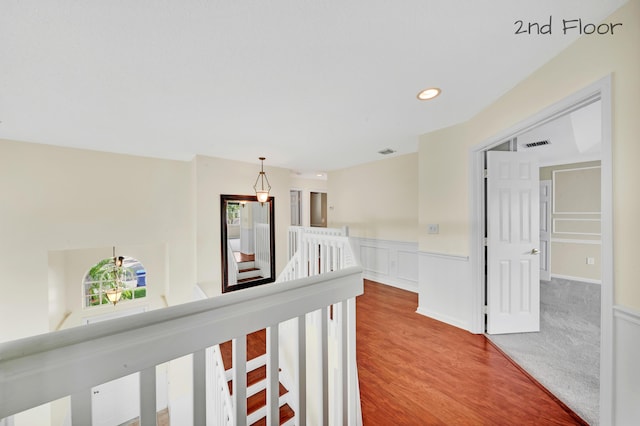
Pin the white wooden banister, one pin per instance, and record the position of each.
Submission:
(43, 368)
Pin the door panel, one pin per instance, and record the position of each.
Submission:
(513, 265)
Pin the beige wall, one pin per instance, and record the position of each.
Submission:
(376, 200)
(215, 176)
(56, 199)
(74, 264)
(444, 155)
(63, 209)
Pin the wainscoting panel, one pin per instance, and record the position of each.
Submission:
(445, 289)
(393, 263)
(626, 409)
(374, 259)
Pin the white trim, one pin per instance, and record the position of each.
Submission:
(581, 279)
(447, 319)
(554, 231)
(444, 255)
(553, 191)
(627, 314)
(600, 89)
(626, 410)
(575, 241)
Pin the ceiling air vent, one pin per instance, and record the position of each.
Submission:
(538, 143)
(386, 151)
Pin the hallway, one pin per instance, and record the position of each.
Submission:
(414, 370)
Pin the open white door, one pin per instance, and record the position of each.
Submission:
(513, 262)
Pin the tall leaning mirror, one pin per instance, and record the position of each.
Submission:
(248, 241)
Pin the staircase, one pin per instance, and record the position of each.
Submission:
(257, 381)
(247, 270)
(309, 317)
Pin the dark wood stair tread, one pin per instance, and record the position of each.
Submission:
(256, 347)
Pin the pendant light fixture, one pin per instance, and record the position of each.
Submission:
(114, 293)
(262, 190)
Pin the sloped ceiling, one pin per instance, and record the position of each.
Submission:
(572, 138)
(312, 85)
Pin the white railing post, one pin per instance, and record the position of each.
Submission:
(81, 408)
(301, 409)
(273, 377)
(343, 321)
(199, 387)
(240, 380)
(148, 416)
(355, 410)
(324, 348)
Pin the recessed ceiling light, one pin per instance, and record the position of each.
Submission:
(386, 151)
(429, 93)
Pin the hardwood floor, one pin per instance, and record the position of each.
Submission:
(414, 370)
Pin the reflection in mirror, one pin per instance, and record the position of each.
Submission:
(247, 243)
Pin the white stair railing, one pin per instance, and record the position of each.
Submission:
(263, 248)
(332, 327)
(232, 266)
(296, 234)
(219, 405)
(40, 369)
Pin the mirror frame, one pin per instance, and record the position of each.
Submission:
(224, 199)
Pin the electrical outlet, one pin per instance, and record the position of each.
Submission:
(433, 228)
(591, 261)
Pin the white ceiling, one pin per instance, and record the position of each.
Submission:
(313, 85)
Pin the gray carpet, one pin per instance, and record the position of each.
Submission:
(565, 355)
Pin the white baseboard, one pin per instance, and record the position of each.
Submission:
(393, 263)
(581, 279)
(391, 281)
(456, 322)
(626, 410)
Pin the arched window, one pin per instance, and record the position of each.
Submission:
(99, 279)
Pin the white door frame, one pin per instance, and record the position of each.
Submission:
(601, 89)
(545, 250)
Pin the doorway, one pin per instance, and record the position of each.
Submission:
(296, 207)
(599, 91)
(318, 209)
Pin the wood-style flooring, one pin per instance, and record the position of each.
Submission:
(417, 371)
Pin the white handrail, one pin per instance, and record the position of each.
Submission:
(319, 253)
(39, 369)
(297, 232)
